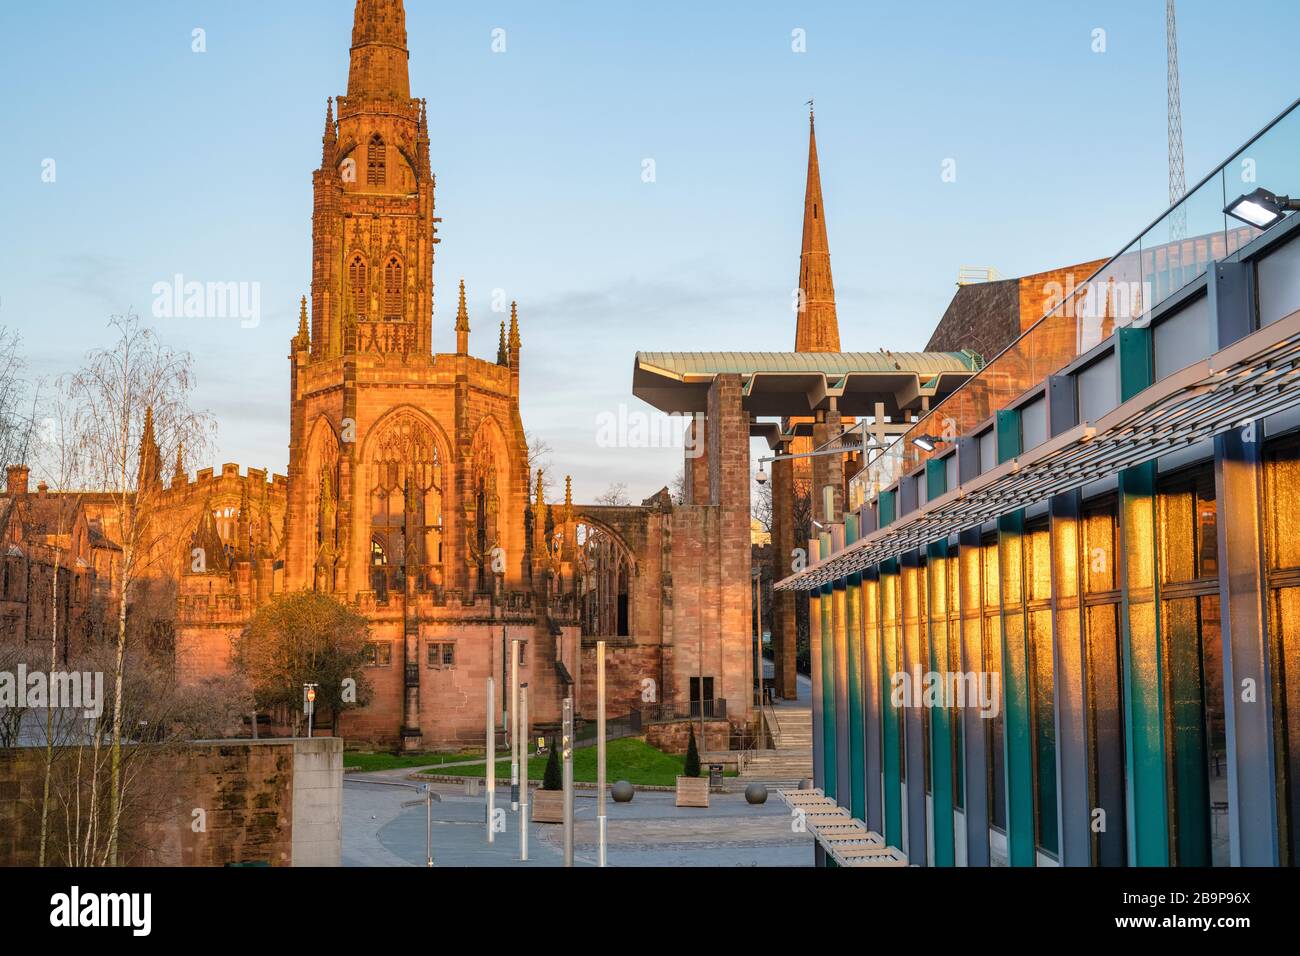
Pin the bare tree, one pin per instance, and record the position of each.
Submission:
(57, 460)
(17, 423)
(615, 494)
(760, 507)
(135, 387)
(678, 491)
(539, 458)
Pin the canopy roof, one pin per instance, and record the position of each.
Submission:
(796, 383)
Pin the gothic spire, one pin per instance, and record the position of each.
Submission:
(514, 330)
(379, 66)
(817, 328)
(150, 470)
(179, 475)
(462, 324)
(302, 341)
(329, 141)
(422, 140)
(503, 356)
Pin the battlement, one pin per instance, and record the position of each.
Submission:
(207, 480)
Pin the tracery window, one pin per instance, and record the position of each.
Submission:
(483, 513)
(603, 569)
(406, 509)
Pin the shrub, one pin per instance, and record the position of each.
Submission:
(692, 767)
(552, 779)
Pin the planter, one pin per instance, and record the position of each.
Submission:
(692, 791)
(547, 806)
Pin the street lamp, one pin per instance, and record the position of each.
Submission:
(926, 442)
(761, 477)
(1261, 208)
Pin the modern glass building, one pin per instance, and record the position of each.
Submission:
(1060, 623)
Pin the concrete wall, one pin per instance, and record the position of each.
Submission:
(317, 801)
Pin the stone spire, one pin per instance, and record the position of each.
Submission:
(503, 355)
(179, 475)
(330, 139)
(380, 59)
(302, 341)
(817, 329)
(462, 324)
(150, 471)
(422, 142)
(514, 342)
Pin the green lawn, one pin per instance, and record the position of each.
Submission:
(630, 759)
(387, 761)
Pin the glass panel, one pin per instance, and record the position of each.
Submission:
(1166, 258)
(1106, 733)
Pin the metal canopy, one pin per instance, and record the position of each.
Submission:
(796, 383)
(1251, 379)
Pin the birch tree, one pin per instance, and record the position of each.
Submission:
(136, 389)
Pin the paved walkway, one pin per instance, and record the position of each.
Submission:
(649, 831)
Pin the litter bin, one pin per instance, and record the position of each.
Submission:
(715, 778)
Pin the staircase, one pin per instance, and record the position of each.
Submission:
(791, 760)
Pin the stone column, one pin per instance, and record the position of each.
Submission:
(783, 538)
(827, 469)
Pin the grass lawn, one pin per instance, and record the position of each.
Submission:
(630, 759)
(387, 761)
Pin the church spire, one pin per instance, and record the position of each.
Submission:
(379, 56)
(817, 328)
(503, 355)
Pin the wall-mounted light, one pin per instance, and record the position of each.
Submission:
(926, 442)
(761, 477)
(1261, 208)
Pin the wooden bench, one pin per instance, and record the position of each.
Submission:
(857, 856)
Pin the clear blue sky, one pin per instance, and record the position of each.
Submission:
(171, 162)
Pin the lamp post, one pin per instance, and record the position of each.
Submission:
(514, 728)
(523, 790)
(566, 755)
(491, 760)
(600, 749)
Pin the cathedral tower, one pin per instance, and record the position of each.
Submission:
(408, 468)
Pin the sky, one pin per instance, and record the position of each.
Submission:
(169, 161)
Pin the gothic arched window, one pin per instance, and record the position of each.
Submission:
(405, 507)
(603, 567)
(357, 284)
(376, 162)
(393, 289)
